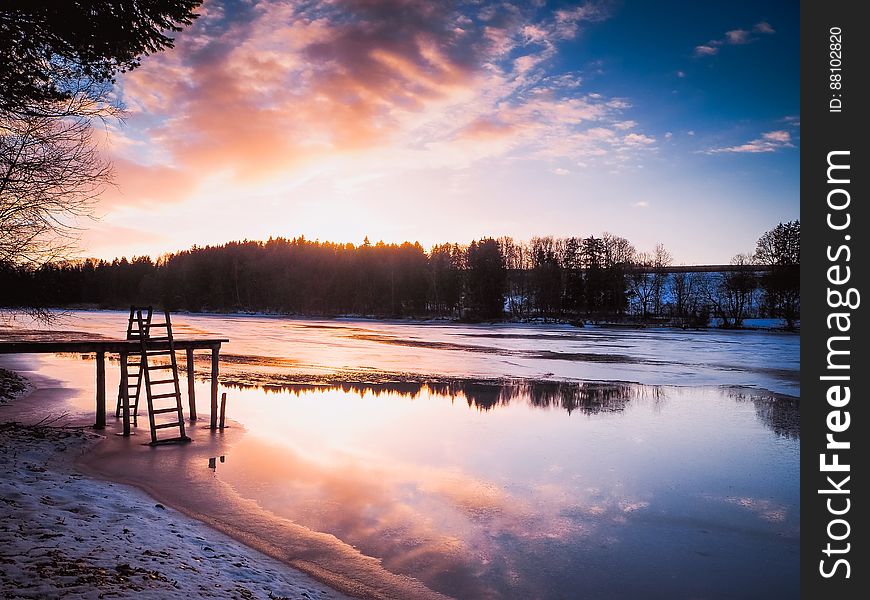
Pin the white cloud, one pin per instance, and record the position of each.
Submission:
(623, 125)
(638, 139)
(560, 171)
(640, 204)
(708, 49)
(764, 27)
(770, 141)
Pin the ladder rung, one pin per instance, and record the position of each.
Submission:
(158, 396)
(160, 411)
(158, 352)
(159, 325)
(162, 338)
(133, 386)
(159, 381)
(165, 425)
(169, 366)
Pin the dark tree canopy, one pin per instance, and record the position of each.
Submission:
(48, 47)
(573, 279)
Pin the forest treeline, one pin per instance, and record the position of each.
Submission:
(574, 278)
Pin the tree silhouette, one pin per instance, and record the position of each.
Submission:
(487, 278)
(48, 48)
(779, 249)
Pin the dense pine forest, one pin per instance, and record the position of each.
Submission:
(573, 279)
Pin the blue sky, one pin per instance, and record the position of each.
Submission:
(400, 120)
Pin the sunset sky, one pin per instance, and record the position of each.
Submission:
(667, 122)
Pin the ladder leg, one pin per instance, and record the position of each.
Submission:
(125, 394)
(174, 360)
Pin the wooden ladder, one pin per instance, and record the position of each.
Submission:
(167, 402)
(134, 378)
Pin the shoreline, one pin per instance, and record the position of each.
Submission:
(57, 541)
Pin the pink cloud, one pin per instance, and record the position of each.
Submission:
(485, 128)
(277, 87)
(137, 184)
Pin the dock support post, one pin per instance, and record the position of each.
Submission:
(191, 388)
(101, 391)
(223, 411)
(215, 360)
(125, 395)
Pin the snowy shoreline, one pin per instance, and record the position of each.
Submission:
(63, 534)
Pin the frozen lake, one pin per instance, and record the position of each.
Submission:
(505, 461)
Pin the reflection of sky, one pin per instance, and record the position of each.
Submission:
(685, 491)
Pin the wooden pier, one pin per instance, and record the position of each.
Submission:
(125, 348)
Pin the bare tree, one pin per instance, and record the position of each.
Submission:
(661, 261)
(642, 282)
(731, 294)
(51, 173)
(617, 250)
(687, 308)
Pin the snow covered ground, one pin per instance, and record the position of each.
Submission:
(65, 535)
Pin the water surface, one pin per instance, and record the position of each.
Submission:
(497, 471)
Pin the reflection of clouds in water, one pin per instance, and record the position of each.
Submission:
(429, 521)
(765, 509)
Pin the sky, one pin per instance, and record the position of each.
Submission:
(414, 120)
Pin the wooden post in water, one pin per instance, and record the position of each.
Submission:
(215, 353)
(191, 388)
(223, 410)
(101, 391)
(125, 395)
